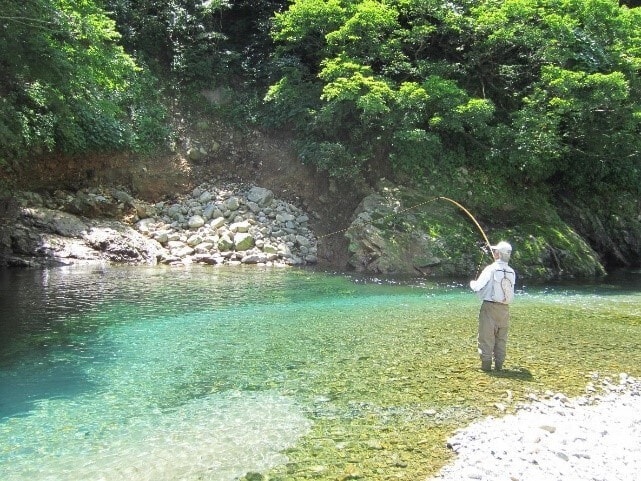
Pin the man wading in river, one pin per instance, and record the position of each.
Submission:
(495, 287)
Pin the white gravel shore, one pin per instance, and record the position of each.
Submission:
(596, 437)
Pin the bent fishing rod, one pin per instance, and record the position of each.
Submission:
(457, 204)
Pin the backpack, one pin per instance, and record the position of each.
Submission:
(503, 285)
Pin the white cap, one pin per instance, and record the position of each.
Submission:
(503, 247)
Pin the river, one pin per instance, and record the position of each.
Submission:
(201, 373)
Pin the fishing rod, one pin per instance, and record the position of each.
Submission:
(457, 204)
(489, 246)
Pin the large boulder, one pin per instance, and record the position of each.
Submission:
(120, 243)
(54, 221)
(400, 230)
(41, 236)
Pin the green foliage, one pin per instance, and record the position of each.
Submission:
(586, 130)
(527, 90)
(532, 90)
(182, 38)
(302, 28)
(66, 84)
(331, 156)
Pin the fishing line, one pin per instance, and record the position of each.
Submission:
(467, 212)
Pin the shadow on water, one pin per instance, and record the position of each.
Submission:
(39, 358)
(21, 391)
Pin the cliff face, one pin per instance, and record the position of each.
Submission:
(209, 153)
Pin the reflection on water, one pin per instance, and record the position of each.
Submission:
(205, 373)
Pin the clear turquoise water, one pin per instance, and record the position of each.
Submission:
(200, 373)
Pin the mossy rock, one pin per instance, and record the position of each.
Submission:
(402, 230)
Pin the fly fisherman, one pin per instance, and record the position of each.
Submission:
(495, 287)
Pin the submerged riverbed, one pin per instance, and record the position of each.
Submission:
(156, 373)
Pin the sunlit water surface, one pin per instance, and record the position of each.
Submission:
(202, 373)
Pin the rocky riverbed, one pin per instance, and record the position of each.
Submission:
(596, 437)
(213, 224)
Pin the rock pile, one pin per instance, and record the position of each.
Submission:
(231, 225)
(594, 437)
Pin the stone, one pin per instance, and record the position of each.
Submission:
(145, 210)
(183, 251)
(169, 258)
(174, 211)
(62, 223)
(211, 212)
(194, 240)
(270, 249)
(145, 225)
(225, 243)
(254, 259)
(32, 199)
(203, 247)
(243, 241)
(232, 204)
(284, 218)
(162, 236)
(195, 154)
(120, 243)
(195, 222)
(260, 196)
(205, 197)
(217, 223)
(302, 241)
(242, 226)
(206, 259)
(175, 244)
(122, 196)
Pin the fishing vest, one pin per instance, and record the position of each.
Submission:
(503, 285)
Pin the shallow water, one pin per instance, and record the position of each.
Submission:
(210, 373)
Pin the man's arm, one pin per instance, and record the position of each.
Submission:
(483, 279)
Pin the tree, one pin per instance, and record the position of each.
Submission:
(67, 84)
(529, 89)
(374, 99)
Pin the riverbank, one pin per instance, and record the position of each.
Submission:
(214, 220)
(592, 437)
(225, 223)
